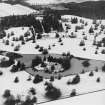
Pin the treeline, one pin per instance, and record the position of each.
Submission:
(48, 22)
(17, 21)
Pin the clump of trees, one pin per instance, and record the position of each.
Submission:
(74, 20)
(18, 67)
(36, 61)
(52, 92)
(11, 100)
(65, 61)
(7, 63)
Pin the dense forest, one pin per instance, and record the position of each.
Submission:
(49, 21)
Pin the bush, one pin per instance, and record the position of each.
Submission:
(86, 63)
(7, 94)
(74, 20)
(38, 79)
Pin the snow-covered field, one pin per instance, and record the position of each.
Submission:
(87, 84)
(67, 44)
(8, 9)
(57, 46)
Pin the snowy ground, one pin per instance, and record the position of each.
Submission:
(69, 44)
(87, 84)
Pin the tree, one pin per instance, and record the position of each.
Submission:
(91, 30)
(39, 36)
(98, 79)
(1, 73)
(73, 93)
(103, 68)
(37, 79)
(16, 80)
(82, 43)
(76, 80)
(7, 42)
(91, 74)
(14, 69)
(52, 78)
(2, 34)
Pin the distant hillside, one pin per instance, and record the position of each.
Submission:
(89, 9)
